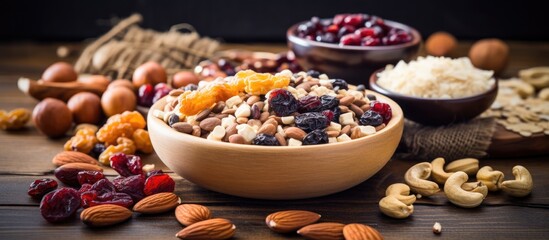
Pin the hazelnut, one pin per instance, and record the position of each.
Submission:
(441, 44)
(489, 54)
(52, 117)
(118, 100)
(121, 83)
(149, 72)
(184, 78)
(85, 108)
(60, 72)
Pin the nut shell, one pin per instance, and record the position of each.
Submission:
(149, 72)
(441, 44)
(52, 117)
(184, 78)
(490, 54)
(85, 108)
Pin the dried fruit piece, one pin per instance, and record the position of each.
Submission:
(40, 187)
(317, 136)
(60, 205)
(15, 119)
(383, 109)
(159, 183)
(68, 173)
(357, 231)
(120, 125)
(188, 214)
(83, 141)
(125, 145)
(105, 215)
(132, 185)
(89, 177)
(311, 121)
(322, 231)
(290, 220)
(265, 140)
(126, 165)
(214, 229)
(142, 141)
(282, 102)
(157, 203)
(309, 104)
(371, 118)
(104, 192)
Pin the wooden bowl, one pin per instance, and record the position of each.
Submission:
(438, 111)
(265, 172)
(352, 63)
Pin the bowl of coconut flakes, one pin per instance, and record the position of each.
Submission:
(437, 90)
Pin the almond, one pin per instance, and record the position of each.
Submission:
(290, 220)
(267, 129)
(357, 231)
(217, 228)
(157, 203)
(322, 231)
(105, 215)
(65, 157)
(347, 100)
(209, 124)
(188, 214)
(295, 133)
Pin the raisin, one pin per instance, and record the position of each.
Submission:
(371, 97)
(120, 125)
(172, 119)
(89, 177)
(309, 104)
(339, 84)
(313, 73)
(329, 102)
(126, 165)
(311, 121)
(97, 149)
(191, 87)
(317, 136)
(142, 141)
(282, 102)
(132, 185)
(361, 87)
(158, 183)
(371, 118)
(40, 187)
(60, 205)
(125, 145)
(83, 141)
(265, 140)
(383, 109)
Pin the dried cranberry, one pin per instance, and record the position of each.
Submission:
(350, 39)
(346, 30)
(370, 41)
(126, 165)
(338, 84)
(282, 102)
(329, 102)
(338, 19)
(383, 109)
(366, 32)
(159, 183)
(354, 19)
(371, 118)
(67, 175)
(60, 205)
(265, 140)
(309, 104)
(160, 93)
(89, 177)
(104, 192)
(145, 95)
(40, 187)
(333, 29)
(311, 121)
(317, 136)
(132, 186)
(84, 188)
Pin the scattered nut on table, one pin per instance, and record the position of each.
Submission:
(464, 195)
(437, 228)
(398, 202)
(416, 177)
(467, 165)
(521, 186)
(490, 177)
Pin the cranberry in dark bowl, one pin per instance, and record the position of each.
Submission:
(352, 46)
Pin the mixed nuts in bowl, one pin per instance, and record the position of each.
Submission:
(301, 153)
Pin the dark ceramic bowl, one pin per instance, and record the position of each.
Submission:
(352, 63)
(436, 111)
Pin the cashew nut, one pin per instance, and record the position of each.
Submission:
(478, 187)
(537, 76)
(490, 177)
(416, 177)
(398, 201)
(467, 165)
(438, 173)
(461, 197)
(521, 186)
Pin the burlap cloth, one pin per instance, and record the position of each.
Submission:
(425, 143)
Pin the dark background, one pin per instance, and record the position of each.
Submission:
(255, 20)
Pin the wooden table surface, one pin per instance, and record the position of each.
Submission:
(26, 155)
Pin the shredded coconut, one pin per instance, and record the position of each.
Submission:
(436, 77)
